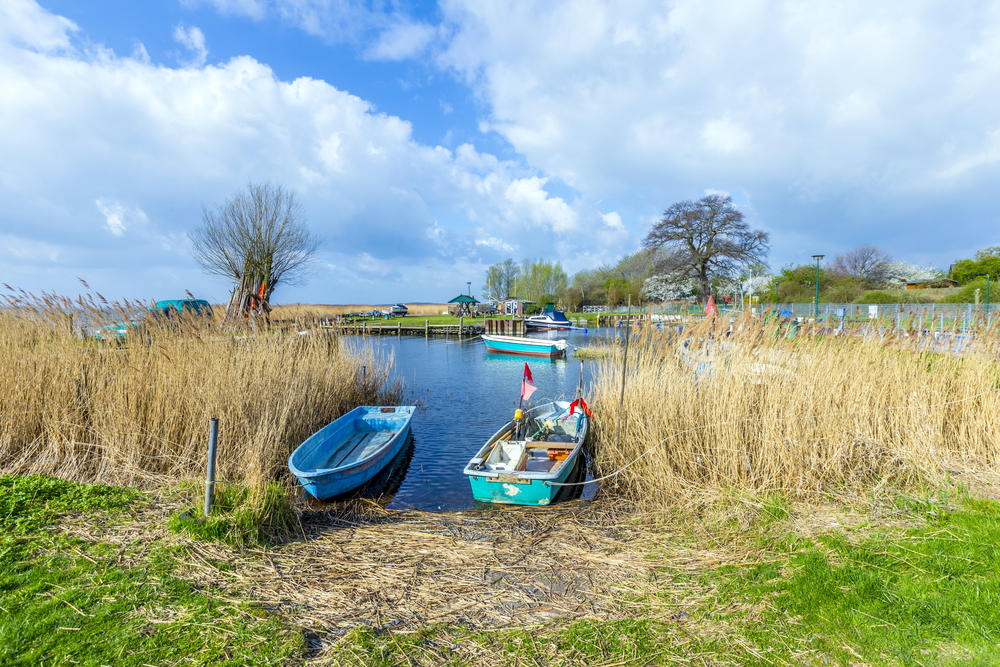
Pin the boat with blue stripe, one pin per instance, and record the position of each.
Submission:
(348, 452)
(526, 469)
(531, 347)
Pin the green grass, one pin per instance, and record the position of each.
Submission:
(236, 517)
(66, 600)
(928, 594)
(629, 641)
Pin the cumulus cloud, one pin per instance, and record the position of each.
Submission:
(24, 23)
(115, 158)
(858, 119)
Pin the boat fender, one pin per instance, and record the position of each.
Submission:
(518, 414)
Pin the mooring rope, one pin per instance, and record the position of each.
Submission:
(723, 423)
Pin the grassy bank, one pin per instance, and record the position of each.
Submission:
(70, 597)
(88, 573)
(136, 411)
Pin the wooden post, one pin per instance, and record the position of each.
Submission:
(399, 328)
(427, 328)
(460, 326)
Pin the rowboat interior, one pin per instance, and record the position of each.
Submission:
(367, 435)
(544, 450)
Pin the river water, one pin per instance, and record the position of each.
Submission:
(463, 396)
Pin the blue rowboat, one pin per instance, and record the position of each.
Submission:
(532, 347)
(524, 471)
(351, 450)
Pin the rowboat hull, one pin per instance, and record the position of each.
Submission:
(351, 450)
(530, 347)
(517, 491)
(536, 467)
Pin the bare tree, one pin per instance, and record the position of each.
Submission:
(258, 239)
(500, 279)
(706, 239)
(867, 264)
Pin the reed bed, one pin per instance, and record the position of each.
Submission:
(741, 405)
(136, 410)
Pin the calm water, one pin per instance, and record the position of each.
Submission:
(463, 396)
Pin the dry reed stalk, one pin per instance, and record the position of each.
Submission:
(125, 412)
(755, 410)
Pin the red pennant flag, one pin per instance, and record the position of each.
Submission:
(527, 384)
(582, 405)
(710, 308)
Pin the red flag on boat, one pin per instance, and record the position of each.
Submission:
(527, 384)
(710, 308)
(582, 404)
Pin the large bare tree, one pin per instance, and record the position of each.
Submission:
(866, 264)
(258, 239)
(706, 239)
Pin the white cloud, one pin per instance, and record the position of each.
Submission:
(193, 40)
(613, 221)
(863, 113)
(24, 23)
(136, 150)
(404, 39)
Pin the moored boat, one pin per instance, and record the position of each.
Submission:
(550, 319)
(350, 450)
(533, 347)
(526, 460)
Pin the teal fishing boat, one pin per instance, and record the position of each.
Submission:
(519, 345)
(526, 460)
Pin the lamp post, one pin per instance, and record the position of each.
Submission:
(816, 301)
(987, 291)
(468, 285)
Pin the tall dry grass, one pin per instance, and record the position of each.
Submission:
(754, 410)
(128, 412)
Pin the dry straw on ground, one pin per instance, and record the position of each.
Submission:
(753, 409)
(123, 412)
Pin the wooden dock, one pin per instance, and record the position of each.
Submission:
(375, 328)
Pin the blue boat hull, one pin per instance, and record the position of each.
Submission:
(325, 482)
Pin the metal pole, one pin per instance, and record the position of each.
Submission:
(621, 399)
(816, 302)
(213, 440)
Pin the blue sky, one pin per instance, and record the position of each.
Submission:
(428, 140)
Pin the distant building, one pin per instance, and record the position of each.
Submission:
(938, 283)
(513, 306)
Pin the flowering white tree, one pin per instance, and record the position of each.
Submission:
(899, 273)
(669, 287)
(757, 284)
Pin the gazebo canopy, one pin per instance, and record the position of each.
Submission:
(464, 298)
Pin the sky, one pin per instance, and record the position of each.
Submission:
(426, 141)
